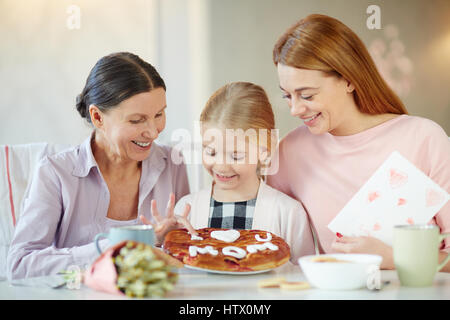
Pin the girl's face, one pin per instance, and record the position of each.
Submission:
(129, 129)
(230, 157)
(325, 103)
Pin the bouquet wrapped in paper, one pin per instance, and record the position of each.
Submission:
(134, 269)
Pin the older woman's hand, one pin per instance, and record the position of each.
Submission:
(170, 221)
(368, 245)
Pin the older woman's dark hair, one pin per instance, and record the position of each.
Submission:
(115, 78)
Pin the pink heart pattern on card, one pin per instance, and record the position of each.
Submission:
(433, 197)
(397, 178)
(398, 192)
(373, 195)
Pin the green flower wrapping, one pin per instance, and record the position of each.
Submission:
(141, 273)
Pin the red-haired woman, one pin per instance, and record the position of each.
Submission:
(353, 122)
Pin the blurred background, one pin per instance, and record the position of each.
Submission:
(49, 46)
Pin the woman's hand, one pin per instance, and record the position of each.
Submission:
(170, 221)
(368, 245)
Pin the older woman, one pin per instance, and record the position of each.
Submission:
(109, 180)
(353, 121)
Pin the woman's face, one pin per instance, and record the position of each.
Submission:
(324, 103)
(131, 127)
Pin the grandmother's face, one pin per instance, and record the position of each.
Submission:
(131, 127)
(323, 102)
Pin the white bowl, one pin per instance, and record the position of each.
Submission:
(338, 275)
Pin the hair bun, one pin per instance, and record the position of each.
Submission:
(115, 78)
(81, 105)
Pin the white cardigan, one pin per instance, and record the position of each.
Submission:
(275, 212)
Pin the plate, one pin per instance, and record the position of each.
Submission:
(240, 273)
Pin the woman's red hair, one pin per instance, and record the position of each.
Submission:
(320, 42)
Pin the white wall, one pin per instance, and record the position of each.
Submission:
(197, 46)
(45, 62)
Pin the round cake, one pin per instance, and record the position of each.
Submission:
(228, 249)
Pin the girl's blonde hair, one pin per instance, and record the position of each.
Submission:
(242, 105)
(320, 42)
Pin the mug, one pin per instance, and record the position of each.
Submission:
(140, 233)
(416, 254)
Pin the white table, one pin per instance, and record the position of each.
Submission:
(207, 286)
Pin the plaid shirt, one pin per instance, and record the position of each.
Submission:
(231, 215)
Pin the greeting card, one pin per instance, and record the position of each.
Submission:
(398, 193)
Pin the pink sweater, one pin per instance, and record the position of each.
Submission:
(325, 171)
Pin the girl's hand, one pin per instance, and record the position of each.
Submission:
(170, 221)
(368, 245)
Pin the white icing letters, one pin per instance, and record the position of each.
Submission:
(234, 252)
(231, 236)
(193, 250)
(268, 237)
(252, 248)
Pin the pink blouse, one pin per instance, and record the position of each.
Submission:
(324, 171)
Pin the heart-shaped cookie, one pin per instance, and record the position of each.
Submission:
(225, 235)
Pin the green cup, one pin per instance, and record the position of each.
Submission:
(416, 254)
(140, 233)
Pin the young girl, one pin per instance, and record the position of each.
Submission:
(236, 125)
